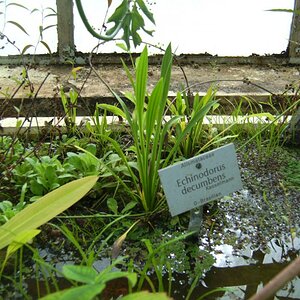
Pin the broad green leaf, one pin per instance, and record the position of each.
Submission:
(20, 240)
(46, 208)
(85, 292)
(103, 278)
(113, 109)
(129, 206)
(82, 274)
(112, 205)
(117, 16)
(18, 25)
(145, 295)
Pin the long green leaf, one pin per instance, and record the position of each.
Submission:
(16, 4)
(46, 46)
(113, 109)
(140, 87)
(46, 208)
(18, 25)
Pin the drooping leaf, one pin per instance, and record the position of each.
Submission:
(46, 46)
(46, 208)
(17, 4)
(51, 15)
(113, 109)
(109, 3)
(18, 25)
(26, 48)
(48, 27)
(118, 243)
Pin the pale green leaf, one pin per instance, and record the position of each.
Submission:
(113, 109)
(20, 240)
(46, 208)
(145, 295)
(85, 292)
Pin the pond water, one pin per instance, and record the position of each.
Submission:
(242, 272)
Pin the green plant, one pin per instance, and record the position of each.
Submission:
(46, 208)
(22, 227)
(98, 124)
(45, 13)
(69, 102)
(126, 17)
(200, 136)
(149, 131)
(93, 282)
(42, 175)
(8, 210)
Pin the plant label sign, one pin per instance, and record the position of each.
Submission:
(201, 179)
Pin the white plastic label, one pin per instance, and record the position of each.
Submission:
(201, 179)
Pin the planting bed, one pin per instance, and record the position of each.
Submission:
(245, 239)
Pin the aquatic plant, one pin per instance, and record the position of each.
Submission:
(150, 130)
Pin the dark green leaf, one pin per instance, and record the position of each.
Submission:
(46, 46)
(18, 25)
(112, 205)
(145, 10)
(16, 4)
(26, 48)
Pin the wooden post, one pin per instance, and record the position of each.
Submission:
(294, 41)
(65, 28)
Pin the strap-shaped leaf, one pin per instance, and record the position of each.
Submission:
(46, 208)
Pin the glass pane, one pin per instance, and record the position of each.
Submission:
(27, 24)
(223, 27)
